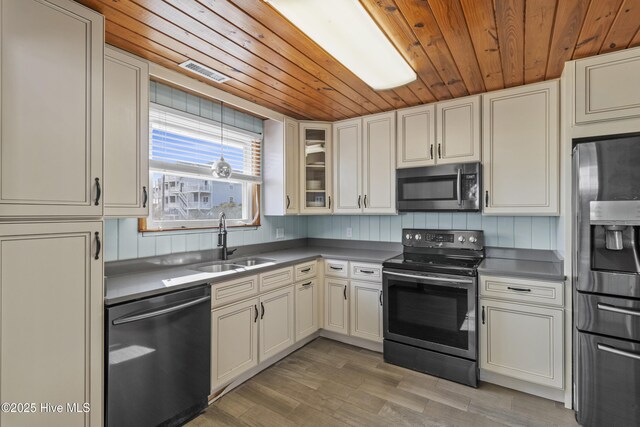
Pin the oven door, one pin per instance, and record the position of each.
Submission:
(439, 188)
(431, 311)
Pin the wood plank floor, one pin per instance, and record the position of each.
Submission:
(327, 383)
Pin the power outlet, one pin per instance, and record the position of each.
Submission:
(279, 233)
(349, 232)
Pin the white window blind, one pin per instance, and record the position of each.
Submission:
(187, 144)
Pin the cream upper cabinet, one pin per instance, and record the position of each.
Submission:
(276, 321)
(607, 87)
(378, 164)
(520, 150)
(51, 320)
(364, 165)
(126, 134)
(51, 75)
(306, 308)
(347, 169)
(281, 172)
(315, 168)
(522, 341)
(366, 310)
(458, 130)
(416, 136)
(336, 305)
(234, 341)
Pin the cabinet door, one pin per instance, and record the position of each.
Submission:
(234, 341)
(126, 135)
(378, 165)
(520, 150)
(306, 308)
(458, 130)
(276, 322)
(347, 166)
(336, 305)
(315, 168)
(291, 174)
(416, 135)
(366, 310)
(606, 87)
(522, 341)
(51, 109)
(51, 320)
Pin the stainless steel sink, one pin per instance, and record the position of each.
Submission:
(216, 268)
(251, 262)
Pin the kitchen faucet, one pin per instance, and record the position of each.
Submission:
(222, 237)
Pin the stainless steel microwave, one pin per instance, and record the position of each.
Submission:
(442, 188)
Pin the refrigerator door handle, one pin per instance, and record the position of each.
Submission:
(621, 310)
(619, 352)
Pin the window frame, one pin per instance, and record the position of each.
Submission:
(252, 195)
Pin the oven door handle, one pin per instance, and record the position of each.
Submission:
(439, 279)
(459, 186)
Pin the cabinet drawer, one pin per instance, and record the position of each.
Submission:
(305, 270)
(524, 290)
(366, 271)
(336, 268)
(276, 278)
(234, 290)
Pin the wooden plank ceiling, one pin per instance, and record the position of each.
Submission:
(457, 47)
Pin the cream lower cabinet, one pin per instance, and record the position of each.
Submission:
(306, 308)
(234, 343)
(522, 341)
(276, 321)
(52, 95)
(51, 321)
(366, 310)
(336, 305)
(521, 150)
(126, 134)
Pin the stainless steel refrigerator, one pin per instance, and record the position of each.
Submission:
(607, 281)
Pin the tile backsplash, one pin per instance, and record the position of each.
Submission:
(123, 241)
(503, 231)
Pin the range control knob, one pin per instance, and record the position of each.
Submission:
(472, 239)
(408, 236)
(418, 237)
(461, 239)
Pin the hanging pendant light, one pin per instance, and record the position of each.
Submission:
(221, 168)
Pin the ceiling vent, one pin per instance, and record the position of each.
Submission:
(204, 71)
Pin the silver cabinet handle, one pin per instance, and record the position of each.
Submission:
(459, 187)
(622, 353)
(167, 310)
(614, 309)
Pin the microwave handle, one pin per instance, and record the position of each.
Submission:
(459, 187)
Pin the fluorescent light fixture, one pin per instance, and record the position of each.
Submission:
(345, 30)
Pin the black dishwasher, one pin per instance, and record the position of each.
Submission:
(157, 359)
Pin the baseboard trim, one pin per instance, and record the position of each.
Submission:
(555, 394)
(347, 339)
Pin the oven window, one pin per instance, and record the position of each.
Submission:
(442, 188)
(435, 314)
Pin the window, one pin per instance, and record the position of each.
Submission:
(183, 147)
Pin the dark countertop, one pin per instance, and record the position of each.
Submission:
(521, 263)
(131, 286)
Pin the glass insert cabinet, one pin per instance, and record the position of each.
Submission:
(315, 162)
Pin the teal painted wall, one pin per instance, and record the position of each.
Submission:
(504, 231)
(122, 240)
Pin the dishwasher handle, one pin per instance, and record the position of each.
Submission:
(167, 310)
